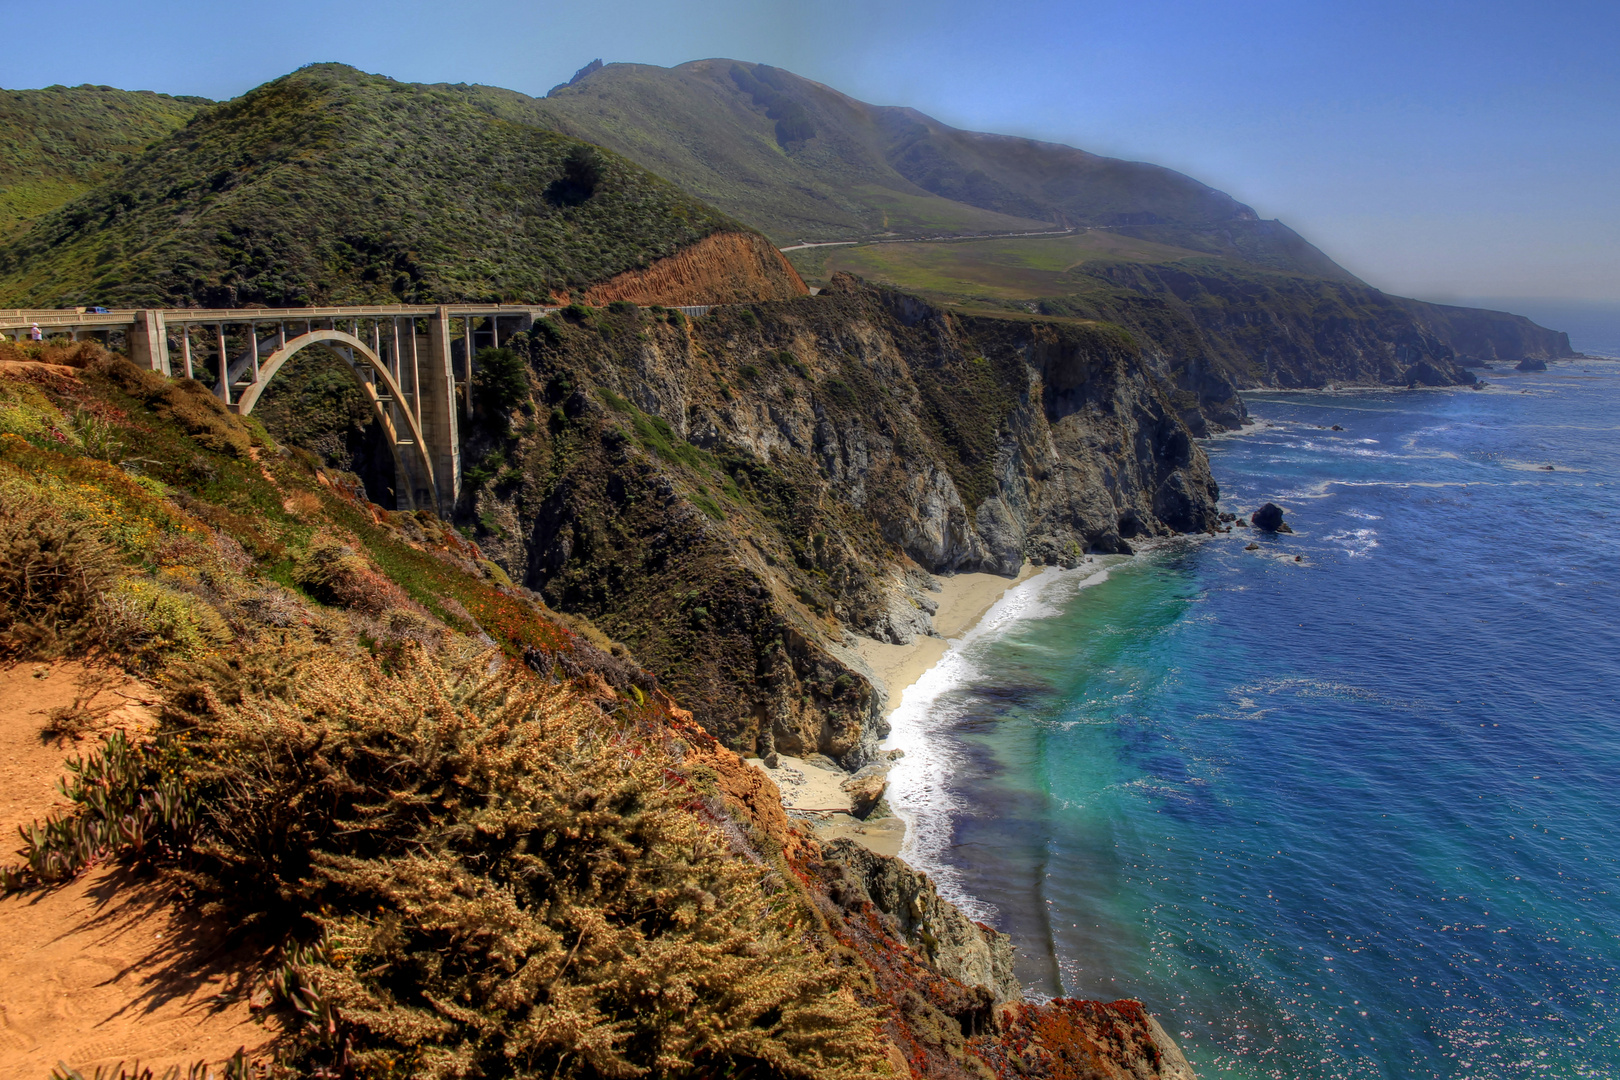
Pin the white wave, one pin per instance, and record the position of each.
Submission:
(919, 783)
(1354, 541)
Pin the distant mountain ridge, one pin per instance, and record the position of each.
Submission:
(331, 185)
(852, 170)
(1221, 297)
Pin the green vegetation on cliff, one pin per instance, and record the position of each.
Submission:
(333, 186)
(59, 142)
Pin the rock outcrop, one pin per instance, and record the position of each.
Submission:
(731, 496)
(966, 951)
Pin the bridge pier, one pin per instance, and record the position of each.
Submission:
(148, 341)
(436, 398)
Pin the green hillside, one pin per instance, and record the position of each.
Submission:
(59, 142)
(333, 186)
(1012, 268)
(801, 161)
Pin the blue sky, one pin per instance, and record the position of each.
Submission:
(1444, 150)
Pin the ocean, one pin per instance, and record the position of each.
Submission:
(1347, 805)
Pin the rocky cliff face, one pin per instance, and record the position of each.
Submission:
(1278, 330)
(1481, 337)
(971, 953)
(731, 496)
(1211, 328)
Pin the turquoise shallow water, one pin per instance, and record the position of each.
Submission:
(1352, 816)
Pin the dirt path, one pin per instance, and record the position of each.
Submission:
(106, 968)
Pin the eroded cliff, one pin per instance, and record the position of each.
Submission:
(733, 496)
(725, 268)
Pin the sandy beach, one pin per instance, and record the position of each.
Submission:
(811, 790)
(963, 599)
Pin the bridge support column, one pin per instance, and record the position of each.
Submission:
(224, 388)
(149, 341)
(436, 394)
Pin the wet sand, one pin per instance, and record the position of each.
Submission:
(963, 599)
(812, 793)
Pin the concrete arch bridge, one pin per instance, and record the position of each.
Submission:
(413, 364)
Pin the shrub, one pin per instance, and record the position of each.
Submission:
(153, 621)
(76, 354)
(583, 172)
(335, 573)
(53, 572)
(97, 437)
(546, 332)
(501, 381)
(492, 882)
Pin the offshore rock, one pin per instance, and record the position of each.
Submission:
(1269, 517)
(1531, 363)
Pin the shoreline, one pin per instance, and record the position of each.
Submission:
(964, 600)
(812, 790)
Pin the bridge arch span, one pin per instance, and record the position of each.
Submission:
(413, 465)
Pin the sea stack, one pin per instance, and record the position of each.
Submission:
(1270, 518)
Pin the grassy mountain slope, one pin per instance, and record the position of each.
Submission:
(333, 186)
(59, 142)
(1015, 268)
(803, 162)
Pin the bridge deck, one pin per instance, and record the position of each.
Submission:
(68, 319)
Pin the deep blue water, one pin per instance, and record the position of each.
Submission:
(1352, 816)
